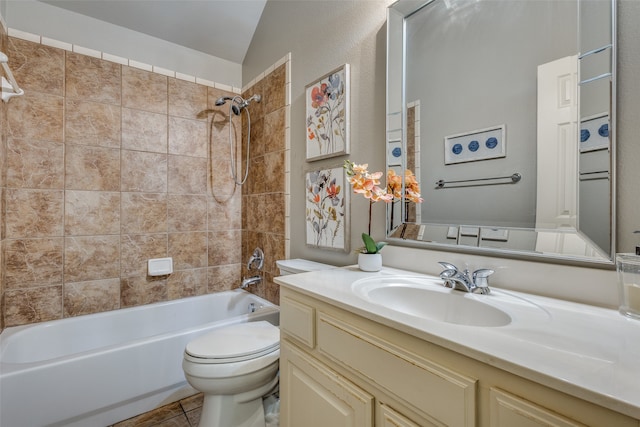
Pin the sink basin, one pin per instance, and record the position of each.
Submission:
(429, 299)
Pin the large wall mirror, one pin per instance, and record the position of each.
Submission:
(503, 110)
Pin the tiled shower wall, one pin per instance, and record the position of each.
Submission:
(265, 195)
(109, 165)
(3, 156)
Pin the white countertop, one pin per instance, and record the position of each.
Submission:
(589, 352)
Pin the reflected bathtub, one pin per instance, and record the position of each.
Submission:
(99, 369)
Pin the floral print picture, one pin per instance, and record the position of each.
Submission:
(327, 108)
(326, 205)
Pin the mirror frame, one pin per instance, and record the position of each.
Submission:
(396, 121)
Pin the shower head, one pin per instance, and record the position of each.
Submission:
(222, 100)
(236, 110)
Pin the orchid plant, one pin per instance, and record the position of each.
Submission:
(368, 184)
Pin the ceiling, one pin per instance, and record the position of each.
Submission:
(222, 28)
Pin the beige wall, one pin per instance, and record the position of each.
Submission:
(322, 35)
(108, 166)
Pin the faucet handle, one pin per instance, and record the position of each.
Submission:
(481, 280)
(448, 266)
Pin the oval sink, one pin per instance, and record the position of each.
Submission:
(429, 299)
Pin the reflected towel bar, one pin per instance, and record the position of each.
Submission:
(512, 179)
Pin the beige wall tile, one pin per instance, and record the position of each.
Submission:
(137, 249)
(144, 131)
(187, 212)
(92, 168)
(186, 99)
(224, 248)
(143, 213)
(221, 183)
(36, 116)
(34, 164)
(93, 79)
(91, 258)
(187, 283)
(274, 131)
(142, 290)
(223, 278)
(32, 305)
(225, 214)
(37, 67)
(34, 213)
(144, 90)
(144, 172)
(274, 93)
(274, 172)
(91, 213)
(187, 137)
(92, 123)
(257, 175)
(188, 250)
(187, 175)
(33, 262)
(91, 297)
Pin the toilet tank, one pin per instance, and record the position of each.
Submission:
(298, 265)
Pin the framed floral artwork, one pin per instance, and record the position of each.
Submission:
(327, 115)
(326, 209)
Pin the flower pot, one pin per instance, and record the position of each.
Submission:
(370, 262)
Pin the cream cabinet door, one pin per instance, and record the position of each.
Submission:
(508, 410)
(315, 396)
(388, 417)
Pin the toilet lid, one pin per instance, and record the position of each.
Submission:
(241, 341)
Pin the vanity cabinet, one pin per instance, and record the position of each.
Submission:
(339, 368)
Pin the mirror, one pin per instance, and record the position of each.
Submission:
(502, 110)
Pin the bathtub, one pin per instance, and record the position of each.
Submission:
(99, 369)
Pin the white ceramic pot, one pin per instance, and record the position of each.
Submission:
(370, 262)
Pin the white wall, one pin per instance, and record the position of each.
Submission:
(56, 23)
(324, 34)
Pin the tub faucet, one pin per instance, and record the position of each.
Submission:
(477, 282)
(253, 280)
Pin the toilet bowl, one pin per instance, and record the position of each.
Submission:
(234, 367)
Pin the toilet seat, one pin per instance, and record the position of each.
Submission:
(234, 343)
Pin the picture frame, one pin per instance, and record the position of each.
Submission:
(480, 144)
(327, 115)
(594, 133)
(327, 202)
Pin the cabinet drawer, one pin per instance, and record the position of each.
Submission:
(444, 396)
(298, 320)
(509, 410)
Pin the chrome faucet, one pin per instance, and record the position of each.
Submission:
(477, 282)
(256, 262)
(253, 280)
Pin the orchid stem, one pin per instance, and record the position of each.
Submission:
(370, 205)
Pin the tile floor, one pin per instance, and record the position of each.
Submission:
(184, 413)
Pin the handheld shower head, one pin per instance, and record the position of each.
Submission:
(222, 100)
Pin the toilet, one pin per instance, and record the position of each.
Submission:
(298, 265)
(237, 365)
(234, 367)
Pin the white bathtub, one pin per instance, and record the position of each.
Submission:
(102, 368)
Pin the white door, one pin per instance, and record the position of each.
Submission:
(556, 205)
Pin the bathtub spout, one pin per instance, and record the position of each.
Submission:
(253, 280)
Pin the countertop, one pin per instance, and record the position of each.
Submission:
(588, 352)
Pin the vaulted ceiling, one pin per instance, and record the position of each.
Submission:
(222, 28)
